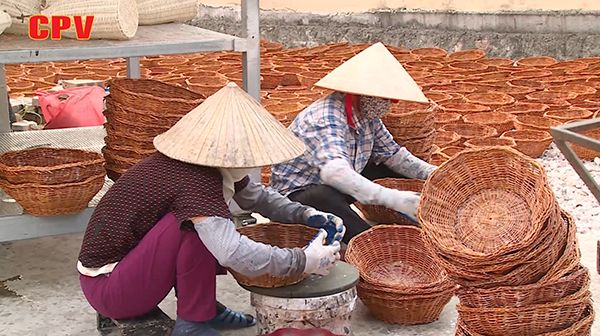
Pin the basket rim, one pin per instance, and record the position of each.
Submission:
(8, 185)
(6, 167)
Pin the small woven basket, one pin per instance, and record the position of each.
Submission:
(158, 11)
(529, 122)
(470, 131)
(490, 142)
(280, 235)
(583, 152)
(55, 199)
(463, 108)
(154, 96)
(418, 145)
(113, 19)
(409, 119)
(532, 143)
(50, 165)
(466, 55)
(490, 98)
(446, 138)
(525, 108)
(501, 121)
(568, 114)
(443, 118)
(537, 61)
(382, 215)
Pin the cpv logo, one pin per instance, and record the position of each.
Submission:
(42, 27)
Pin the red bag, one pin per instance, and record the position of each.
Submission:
(73, 107)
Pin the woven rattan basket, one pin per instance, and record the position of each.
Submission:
(443, 118)
(568, 114)
(530, 108)
(463, 108)
(490, 98)
(583, 152)
(382, 215)
(489, 142)
(446, 138)
(50, 165)
(470, 131)
(528, 122)
(276, 234)
(501, 121)
(158, 11)
(56, 199)
(409, 119)
(113, 19)
(530, 142)
(154, 96)
(418, 145)
(131, 114)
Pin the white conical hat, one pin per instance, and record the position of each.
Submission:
(374, 72)
(230, 129)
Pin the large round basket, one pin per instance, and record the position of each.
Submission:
(382, 215)
(280, 235)
(50, 165)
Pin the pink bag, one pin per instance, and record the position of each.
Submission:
(73, 107)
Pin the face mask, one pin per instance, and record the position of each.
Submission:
(230, 177)
(373, 107)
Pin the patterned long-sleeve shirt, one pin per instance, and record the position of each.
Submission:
(325, 131)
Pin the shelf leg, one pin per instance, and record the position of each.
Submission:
(133, 67)
(251, 57)
(4, 103)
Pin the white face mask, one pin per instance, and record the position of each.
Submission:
(230, 177)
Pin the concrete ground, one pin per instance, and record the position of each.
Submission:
(50, 302)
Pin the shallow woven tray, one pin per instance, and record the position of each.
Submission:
(532, 143)
(382, 215)
(50, 165)
(280, 235)
(501, 121)
(524, 122)
(57, 199)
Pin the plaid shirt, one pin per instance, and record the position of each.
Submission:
(325, 131)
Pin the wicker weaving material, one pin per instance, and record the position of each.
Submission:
(113, 19)
(383, 215)
(280, 235)
(159, 11)
(50, 165)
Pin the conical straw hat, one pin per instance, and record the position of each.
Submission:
(230, 129)
(374, 72)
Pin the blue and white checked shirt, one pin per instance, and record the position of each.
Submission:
(325, 131)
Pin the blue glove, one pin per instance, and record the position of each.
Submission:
(333, 225)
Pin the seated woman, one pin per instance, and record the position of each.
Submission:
(166, 224)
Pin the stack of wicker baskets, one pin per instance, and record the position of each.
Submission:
(52, 181)
(399, 281)
(492, 222)
(412, 126)
(136, 112)
(280, 235)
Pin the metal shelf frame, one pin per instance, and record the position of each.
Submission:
(166, 39)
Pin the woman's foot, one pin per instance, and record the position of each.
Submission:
(229, 319)
(190, 328)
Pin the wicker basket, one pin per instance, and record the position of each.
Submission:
(544, 96)
(583, 152)
(568, 114)
(382, 215)
(429, 53)
(409, 119)
(537, 61)
(490, 98)
(466, 55)
(501, 121)
(113, 19)
(525, 108)
(55, 199)
(154, 96)
(438, 158)
(529, 122)
(157, 11)
(490, 142)
(418, 145)
(530, 74)
(530, 142)
(521, 296)
(571, 255)
(528, 320)
(470, 131)
(276, 234)
(463, 108)
(50, 165)
(485, 203)
(446, 138)
(443, 118)
(135, 116)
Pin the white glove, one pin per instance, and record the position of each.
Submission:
(320, 258)
(405, 202)
(322, 220)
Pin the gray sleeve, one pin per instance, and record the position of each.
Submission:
(270, 203)
(243, 255)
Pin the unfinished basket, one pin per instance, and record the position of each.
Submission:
(529, 122)
(113, 19)
(382, 215)
(157, 11)
(490, 142)
(485, 203)
(532, 143)
(568, 114)
(50, 165)
(280, 235)
(55, 199)
(154, 96)
(501, 121)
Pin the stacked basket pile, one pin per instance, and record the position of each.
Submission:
(52, 181)
(492, 222)
(136, 112)
(399, 281)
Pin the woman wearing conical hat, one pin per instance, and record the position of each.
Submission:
(347, 144)
(166, 224)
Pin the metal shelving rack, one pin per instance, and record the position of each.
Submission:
(166, 39)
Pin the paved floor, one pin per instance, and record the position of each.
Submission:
(51, 303)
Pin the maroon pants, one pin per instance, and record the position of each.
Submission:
(166, 257)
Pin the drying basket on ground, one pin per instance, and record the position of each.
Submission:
(490, 98)
(152, 95)
(470, 131)
(490, 142)
(412, 118)
(419, 145)
(446, 138)
(50, 165)
(383, 215)
(568, 114)
(583, 152)
(524, 122)
(54, 199)
(501, 121)
(532, 143)
(485, 203)
(280, 235)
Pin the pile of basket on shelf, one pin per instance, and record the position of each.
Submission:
(400, 282)
(136, 112)
(52, 181)
(492, 222)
